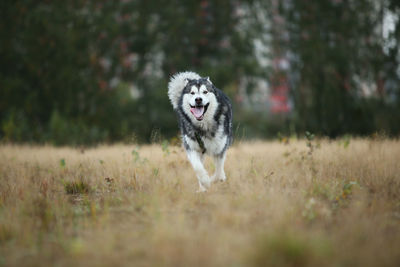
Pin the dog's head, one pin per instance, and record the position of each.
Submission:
(199, 98)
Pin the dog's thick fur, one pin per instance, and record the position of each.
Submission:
(205, 119)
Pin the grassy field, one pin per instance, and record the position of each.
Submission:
(317, 203)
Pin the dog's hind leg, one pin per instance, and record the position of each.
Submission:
(219, 174)
(195, 159)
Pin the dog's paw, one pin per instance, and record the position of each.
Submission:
(218, 177)
(203, 187)
(204, 180)
(205, 183)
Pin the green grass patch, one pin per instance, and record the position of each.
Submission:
(77, 187)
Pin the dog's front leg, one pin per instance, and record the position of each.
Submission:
(201, 173)
(219, 174)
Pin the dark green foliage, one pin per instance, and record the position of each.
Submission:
(337, 48)
(84, 72)
(59, 61)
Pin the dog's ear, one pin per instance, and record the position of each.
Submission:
(208, 79)
(187, 80)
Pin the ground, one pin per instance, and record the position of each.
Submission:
(288, 203)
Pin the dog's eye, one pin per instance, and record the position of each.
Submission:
(205, 92)
(192, 93)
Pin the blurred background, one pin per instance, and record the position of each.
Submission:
(82, 72)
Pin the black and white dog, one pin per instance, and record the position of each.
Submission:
(205, 120)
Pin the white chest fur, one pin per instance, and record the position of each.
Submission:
(213, 144)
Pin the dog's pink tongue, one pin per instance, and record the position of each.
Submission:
(197, 112)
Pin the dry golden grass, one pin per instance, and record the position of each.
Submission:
(128, 206)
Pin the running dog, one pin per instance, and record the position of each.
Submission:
(205, 120)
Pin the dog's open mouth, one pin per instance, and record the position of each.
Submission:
(198, 111)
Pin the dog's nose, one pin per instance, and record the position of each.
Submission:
(198, 100)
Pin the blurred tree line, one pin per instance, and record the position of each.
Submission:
(344, 72)
(84, 71)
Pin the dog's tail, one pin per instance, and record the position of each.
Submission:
(177, 84)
